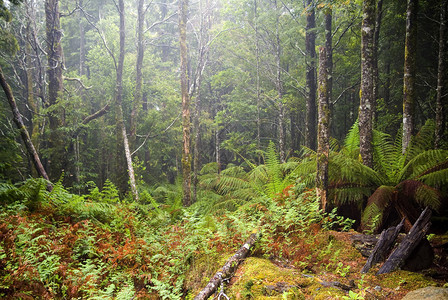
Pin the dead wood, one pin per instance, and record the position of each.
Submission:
(383, 246)
(418, 231)
(227, 270)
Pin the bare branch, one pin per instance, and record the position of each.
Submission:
(77, 80)
(101, 36)
(148, 136)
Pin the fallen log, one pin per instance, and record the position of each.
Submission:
(228, 269)
(418, 231)
(383, 246)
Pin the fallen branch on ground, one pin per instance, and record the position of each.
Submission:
(227, 270)
(418, 231)
(383, 246)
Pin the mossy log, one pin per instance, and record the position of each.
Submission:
(228, 268)
(383, 246)
(418, 231)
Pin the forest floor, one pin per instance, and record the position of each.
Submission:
(63, 246)
(338, 277)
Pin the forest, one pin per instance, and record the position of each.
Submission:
(242, 149)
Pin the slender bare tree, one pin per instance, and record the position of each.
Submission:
(366, 92)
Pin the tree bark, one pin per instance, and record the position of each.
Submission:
(55, 85)
(119, 104)
(203, 50)
(383, 246)
(323, 138)
(366, 92)
(138, 72)
(280, 92)
(227, 270)
(418, 231)
(439, 130)
(22, 128)
(257, 79)
(410, 53)
(82, 43)
(329, 51)
(376, 38)
(186, 156)
(310, 41)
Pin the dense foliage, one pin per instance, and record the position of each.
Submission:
(96, 85)
(59, 245)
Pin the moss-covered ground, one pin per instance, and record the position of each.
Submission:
(330, 271)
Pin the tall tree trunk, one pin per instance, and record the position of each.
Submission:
(310, 41)
(409, 73)
(55, 85)
(22, 128)
(257, 79)
(279, 86)
(203, 51)
(439, 132)
(82, 43)
(366, 92)
(186, 156)
(376, 38)
(329, 51)
(323, 138)
(31, 100)
(138, 72)
(119, 102)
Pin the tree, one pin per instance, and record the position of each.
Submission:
(366, 92)
(376, 39)
(186, 156)
(439, 133)
(119, 102)
(55, 65)
(323, 132)
(138, 71)
(5, 14)
(310, 127)
(410, 52)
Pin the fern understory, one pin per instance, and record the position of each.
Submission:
(57, 245)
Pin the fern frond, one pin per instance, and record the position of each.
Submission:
(384, 154)
(422, 141)
(348, 194)
(424, 164)
(351, 142)
(428, 196)
(413, 190)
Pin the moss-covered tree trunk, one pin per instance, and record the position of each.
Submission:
(119, 102)
(323, 130)
(22, 128)
(441, 100)
(366, 92)
(410, 53)
(329, 51)
(310, 43)
(55, 87)
(186, 155)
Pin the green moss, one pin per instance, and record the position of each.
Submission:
(321, 293)
(408, 280)
(259, 278)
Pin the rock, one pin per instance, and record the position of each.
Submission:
(428, 293)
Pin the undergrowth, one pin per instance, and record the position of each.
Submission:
(59, 245)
